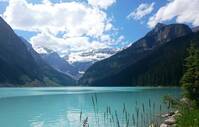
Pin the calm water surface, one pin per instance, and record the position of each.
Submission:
(61, 107)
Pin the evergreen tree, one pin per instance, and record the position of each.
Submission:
(190, 79)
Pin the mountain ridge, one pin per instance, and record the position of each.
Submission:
(60, 64)
(139, 64)
(160, 35)
(165, 70)
(20, 64)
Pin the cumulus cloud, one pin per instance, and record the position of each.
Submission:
(184, 11)
(142, 10)
(73, 18)
(65, 45)
(104, 4)
(65, 27)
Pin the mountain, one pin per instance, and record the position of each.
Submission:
(48, 67)
(74, 69)
(82, 66)
(20, 65)
(195, 29)
(75, 65)
(110, 71)
(82, 61)
(53, 59)
(91, 55)
(162, 67)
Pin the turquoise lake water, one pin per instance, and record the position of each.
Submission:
(68, 107)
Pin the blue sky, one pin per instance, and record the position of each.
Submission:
(110, 24)
(132, 30)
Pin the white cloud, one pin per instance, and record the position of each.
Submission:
(185, 11)
(65, 45)
(73, 18)
(104, 4)
(142, 10)
(4, 0)
(65, 27)
(120, 39)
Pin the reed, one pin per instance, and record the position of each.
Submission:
(133, 119)
(144, 115)
(137, 116)
(153, 115)
(117, 120)
(80, 117)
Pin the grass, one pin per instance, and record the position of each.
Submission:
(188, 118)
(189, 114)
(145, 114)
(189, 111)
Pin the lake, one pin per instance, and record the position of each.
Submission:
(70, 106)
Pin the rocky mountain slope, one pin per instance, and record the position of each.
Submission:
(20, 65)
(136, 58)
(60, 64)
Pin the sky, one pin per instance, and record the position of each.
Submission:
(75, 27)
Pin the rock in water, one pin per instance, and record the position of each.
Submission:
(164, 125)
(170, 121)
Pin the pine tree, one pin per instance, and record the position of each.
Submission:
(190, 79)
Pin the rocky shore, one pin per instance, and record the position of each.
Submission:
(170, 119)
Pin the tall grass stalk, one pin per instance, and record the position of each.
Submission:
(144, 115)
